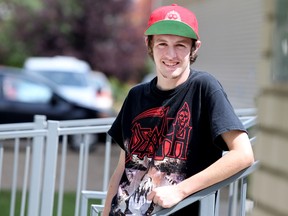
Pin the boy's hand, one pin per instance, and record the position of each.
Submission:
(165, 196)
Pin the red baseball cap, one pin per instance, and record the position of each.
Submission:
(174, 20)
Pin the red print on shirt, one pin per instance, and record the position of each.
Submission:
(165, 136)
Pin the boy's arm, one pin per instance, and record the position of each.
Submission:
(114, 183)
(239, 156)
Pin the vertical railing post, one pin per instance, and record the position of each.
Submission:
(15, 175)
(84, 175)
(107, 162)
(207, 205)
(1, 162)
(84, 204)
(233, 196)
(50, 166)
(25, 181)
(243, 196)
(36, 169)
(85, 161)
(79, 179)
(217, 203)
(62, 175)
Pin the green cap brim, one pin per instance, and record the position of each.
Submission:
(171, 27)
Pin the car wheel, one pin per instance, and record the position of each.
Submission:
(76, 140)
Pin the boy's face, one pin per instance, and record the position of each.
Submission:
(172, 58)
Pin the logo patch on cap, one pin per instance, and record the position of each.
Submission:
(173, 15)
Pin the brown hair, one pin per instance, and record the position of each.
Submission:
(193, 57)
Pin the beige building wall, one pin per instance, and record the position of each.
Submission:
(269, 185)
(230, 50)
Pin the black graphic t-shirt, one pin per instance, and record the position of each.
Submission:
(169, 136)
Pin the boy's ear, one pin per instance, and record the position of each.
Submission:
(197, 46)
(146, 40)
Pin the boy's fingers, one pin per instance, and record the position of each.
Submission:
(151, 195)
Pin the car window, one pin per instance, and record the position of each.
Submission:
(15, 89)
(66, 78)
(99, 81)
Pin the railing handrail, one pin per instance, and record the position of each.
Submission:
(198, 196)
(84, 129)
(23, 134)
(86, 122)
(18, 126)
(246, 112)
(209, 190)
(23, 126)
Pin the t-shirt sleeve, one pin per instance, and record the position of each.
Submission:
(120, 130)
(222, 116)
(116, 128)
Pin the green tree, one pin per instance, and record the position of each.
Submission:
(98, 31)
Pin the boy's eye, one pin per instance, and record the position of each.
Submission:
(181, 45)
(162, 44)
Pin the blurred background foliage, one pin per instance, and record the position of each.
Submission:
(108, 34)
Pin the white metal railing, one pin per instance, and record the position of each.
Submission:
(41, 142)
(15, 132)
(208, 206)
(41, 160)
(207, 197)
(84, 127)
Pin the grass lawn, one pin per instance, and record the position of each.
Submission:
(67, 210)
